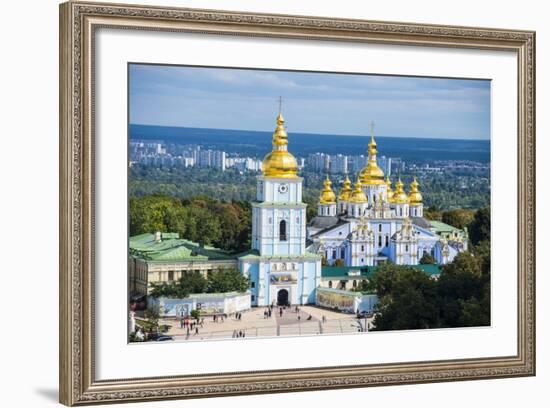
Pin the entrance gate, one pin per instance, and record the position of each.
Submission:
(282, 297)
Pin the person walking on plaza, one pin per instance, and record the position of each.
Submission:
(196, 330)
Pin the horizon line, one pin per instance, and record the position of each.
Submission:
(309, 133)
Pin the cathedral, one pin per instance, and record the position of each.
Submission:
(367, 223)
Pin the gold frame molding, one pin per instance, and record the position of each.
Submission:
(78, 22)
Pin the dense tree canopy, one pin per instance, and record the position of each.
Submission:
(480, 227)
(458, 218)
(220, 281)
(427, 259)
(189, 282)
(227, 280)
(433, 213)
(460, 297)
(226, 225)
(407, 299)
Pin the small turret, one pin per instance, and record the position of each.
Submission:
(400, 197)
(344, 196)
(389, 191)
(327, 194)
(358, 201)
(327, 200)
(415, 199)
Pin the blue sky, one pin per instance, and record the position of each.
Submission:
(312, 102)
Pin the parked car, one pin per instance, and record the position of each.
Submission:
(362, 314)
(161, 337)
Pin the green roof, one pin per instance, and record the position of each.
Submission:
(367, 271)
(252, 254)
(170, 248)
(441, 227)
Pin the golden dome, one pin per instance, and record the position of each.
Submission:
(389, 191)
(371, 173)
(415, 197)
(280, 162)
(346, 191)
(327, 195)
(400, 197)
(358, 196)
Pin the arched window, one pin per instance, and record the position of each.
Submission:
(354, 283)
(330, 284)
(282, 230)
(380, 227)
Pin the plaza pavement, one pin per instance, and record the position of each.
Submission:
(253, 324)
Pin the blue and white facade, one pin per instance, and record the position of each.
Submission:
(365, 226)
(374, 224)
(280, 269)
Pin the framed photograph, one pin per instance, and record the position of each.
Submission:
(255, 203)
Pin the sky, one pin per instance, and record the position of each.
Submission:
(339, 104)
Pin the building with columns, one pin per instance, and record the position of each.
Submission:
(370, 223)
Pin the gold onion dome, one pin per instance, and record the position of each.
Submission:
(415, 197)
(346, 191)
(358, 196)
(280, 162)
(400, 197)
(389, 191)
(327, 195)
(371, 173)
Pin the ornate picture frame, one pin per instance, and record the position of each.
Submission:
(78, 24)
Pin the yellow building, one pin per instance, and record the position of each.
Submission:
(164, 257)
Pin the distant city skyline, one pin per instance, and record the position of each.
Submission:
(321, 103)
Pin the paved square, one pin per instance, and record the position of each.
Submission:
(307, 320)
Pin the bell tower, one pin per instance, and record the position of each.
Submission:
(279, 215)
